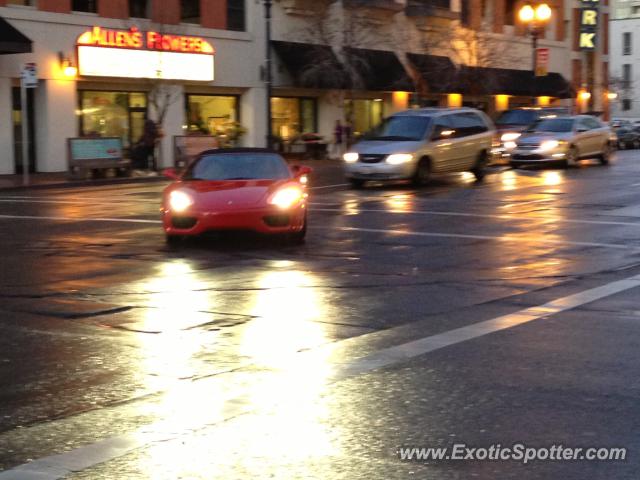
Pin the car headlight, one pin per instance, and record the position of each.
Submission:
(179, 201)
(350, 157)
(287, 197)
(510, 145)
(549, 145)
(510, 136)
(399, 158)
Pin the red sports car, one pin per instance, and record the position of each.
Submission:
(236, 189)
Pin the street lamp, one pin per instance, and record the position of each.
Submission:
(536, 18)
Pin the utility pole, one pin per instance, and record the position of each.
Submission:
(267, 77)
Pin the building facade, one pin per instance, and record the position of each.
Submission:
(358, 61)
(200, 65)
(133, 59)
(625, 58)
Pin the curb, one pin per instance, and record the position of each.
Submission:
(84, 183)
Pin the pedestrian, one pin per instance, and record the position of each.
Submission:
(148, 143)
(338, 137)
(347, 133)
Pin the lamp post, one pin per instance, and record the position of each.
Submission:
(535, 17)
(267, 76)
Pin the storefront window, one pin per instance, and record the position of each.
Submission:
(113, 114)
(211, 114)
(292, 116)
(364, 114)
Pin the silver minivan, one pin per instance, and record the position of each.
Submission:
(414, 144)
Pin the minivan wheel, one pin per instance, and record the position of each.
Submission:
(605, 155)
(479, 169)
(356, 183)
(423, 173)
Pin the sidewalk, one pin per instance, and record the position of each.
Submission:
(60, 179)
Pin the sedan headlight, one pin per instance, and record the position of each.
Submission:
(399, 158)
(350, 157)
(179, 201)
(549, 145)
(287, 197)
(510, 145)
(510, 136)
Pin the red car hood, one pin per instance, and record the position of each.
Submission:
(230, 194)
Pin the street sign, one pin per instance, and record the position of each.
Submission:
(29, 75)
(542, 62)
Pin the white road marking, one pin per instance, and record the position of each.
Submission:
(503, 216)
(83, 219)
(329, 186)
(58, 466)
(501, 238)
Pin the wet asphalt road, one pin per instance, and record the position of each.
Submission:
(240, 357)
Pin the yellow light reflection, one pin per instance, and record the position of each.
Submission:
(509, 180)
(351, 207)
(400, 203)
(550, 178)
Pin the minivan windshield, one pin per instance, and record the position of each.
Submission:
(239, 166)
(518, 117)
(400, 128)
(552, 125)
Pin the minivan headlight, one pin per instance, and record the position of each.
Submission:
(510, 136)
(350, 157)
(399, 158)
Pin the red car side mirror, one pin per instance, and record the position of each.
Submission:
(300, 170)
(171, 173)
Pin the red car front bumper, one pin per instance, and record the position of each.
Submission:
(269, 220)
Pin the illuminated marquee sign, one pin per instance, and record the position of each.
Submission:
(133, 54)
(589, 20)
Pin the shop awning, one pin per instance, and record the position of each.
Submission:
(440, 75)
(377, 70)
(12, 40)
(311, 65)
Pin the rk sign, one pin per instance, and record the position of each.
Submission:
(589, 20)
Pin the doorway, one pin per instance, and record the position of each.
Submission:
(16, 114)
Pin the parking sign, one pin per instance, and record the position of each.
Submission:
(29, 75)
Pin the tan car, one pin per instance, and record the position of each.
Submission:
(565, 140)
(414, 144)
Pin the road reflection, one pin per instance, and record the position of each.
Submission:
(282, 391)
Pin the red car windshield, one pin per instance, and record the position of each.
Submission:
(239, 166)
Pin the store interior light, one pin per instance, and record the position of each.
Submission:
(584, 95)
